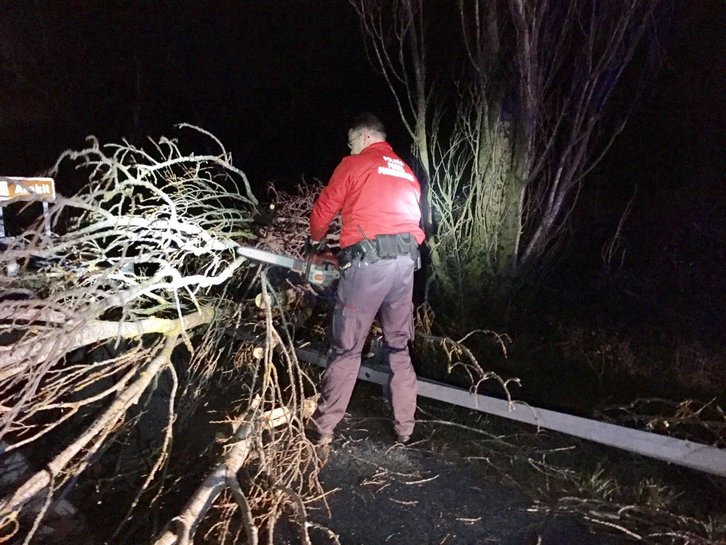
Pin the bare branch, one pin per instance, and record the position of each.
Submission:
(142, 276)
(506, 146)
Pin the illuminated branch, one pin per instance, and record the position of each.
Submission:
(141, 276)
(91, 439)
(18, 359)
(182, 528)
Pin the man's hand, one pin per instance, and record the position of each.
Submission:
(314, 246)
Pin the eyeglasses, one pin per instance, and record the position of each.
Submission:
(350, 142)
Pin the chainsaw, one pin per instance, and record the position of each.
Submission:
(319, 269)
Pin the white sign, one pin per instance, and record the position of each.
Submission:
(27, 189)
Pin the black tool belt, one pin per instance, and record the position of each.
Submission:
(381, 247)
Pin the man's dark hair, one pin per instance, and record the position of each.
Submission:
(369, 121)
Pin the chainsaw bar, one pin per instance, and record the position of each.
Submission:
(272, 258)
(318, 270)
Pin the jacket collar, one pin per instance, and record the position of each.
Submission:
(378, 147)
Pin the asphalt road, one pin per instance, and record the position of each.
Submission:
(386, 493)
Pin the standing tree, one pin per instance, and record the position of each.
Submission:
(506, 120)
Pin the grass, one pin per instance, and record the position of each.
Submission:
(628, 496)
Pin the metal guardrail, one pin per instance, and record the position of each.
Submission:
(660, 447)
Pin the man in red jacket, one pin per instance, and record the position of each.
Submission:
(379, 199)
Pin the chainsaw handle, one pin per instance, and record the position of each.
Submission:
(312, 247)
(325, 260)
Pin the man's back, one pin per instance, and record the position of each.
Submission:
(377, 194)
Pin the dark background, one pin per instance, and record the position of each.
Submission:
(278, 81)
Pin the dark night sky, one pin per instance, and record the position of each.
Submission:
(275, 81)
(278, 80)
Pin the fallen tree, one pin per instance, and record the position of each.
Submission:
(119, 317)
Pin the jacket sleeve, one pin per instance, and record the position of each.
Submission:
(329, 203)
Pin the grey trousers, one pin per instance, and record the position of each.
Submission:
(384, 288)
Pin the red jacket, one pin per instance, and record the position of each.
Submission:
(376, 192)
